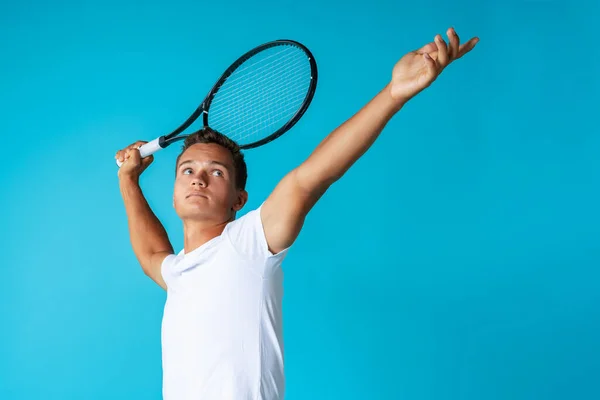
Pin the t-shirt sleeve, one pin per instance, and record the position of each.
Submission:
(167, 269)
(247, 236)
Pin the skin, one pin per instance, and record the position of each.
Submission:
(215, 198)
(205, 195)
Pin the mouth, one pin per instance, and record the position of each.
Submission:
(196, 195)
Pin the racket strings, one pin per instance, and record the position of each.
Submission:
(286, 107)
(237, 133)
(283, 108)
(262, 95)
(238, 73)
(224, 105)
(271, 124)
(247, 118)
(232, 90)
(243, 79)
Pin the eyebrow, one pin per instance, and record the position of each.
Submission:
(211, 162)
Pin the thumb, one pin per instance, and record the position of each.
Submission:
(428, 48)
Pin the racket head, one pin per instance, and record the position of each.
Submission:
(263, 94)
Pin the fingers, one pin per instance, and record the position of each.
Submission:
(137, 144)
(134, 155)
(445, 54)
(442, 57)
(454, 43)
(121, 155)
(467, 47)
(124, 154)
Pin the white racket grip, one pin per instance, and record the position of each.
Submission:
(147, 149)
(150, 148)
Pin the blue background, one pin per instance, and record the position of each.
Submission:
(457, 260)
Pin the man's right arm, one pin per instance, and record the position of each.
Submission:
(148, 237)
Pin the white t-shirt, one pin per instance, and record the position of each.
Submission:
(222, 325)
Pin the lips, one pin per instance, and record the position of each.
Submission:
(196, 194)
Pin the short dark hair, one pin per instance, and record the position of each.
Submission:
(208, 135)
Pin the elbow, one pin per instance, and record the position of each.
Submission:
(146, 264)
(145, 268)
(315, 182)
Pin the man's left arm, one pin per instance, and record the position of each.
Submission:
(285, 210)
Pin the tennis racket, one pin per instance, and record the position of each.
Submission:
(258, 98)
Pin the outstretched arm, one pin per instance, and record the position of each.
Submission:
(148, 237)
(284, 211)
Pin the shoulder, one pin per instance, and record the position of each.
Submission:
(247, 236)
(168, 265)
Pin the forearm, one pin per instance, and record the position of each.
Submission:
(147, 234)
(346, 144)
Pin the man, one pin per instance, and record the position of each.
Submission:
(222, 323)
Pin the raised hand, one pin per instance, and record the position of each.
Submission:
(418, 69)
(133, 164)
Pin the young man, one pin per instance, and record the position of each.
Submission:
(222, 331)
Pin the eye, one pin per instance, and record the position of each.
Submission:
(185, 171)
(217, 172)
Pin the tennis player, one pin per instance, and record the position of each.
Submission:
(222, 324)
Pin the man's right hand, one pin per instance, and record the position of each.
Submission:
(148, 237)
(133, 163)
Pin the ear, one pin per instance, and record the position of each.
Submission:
(241, 200)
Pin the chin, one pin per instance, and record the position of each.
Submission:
(194, 214)
(202, 214)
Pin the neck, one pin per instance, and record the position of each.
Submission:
(196, 233)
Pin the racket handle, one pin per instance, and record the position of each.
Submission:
(147, 150)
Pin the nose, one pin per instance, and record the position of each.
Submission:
(200, 181)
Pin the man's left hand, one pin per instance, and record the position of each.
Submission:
(418, 69)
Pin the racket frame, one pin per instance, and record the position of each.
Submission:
(204, 107)
(299, 113)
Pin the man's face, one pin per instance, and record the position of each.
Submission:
(205, 184)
